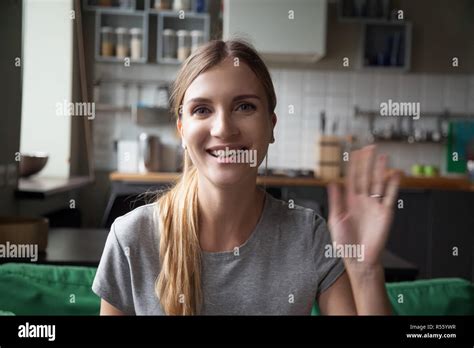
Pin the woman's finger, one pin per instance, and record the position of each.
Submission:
(378, 176)
(391, 190)
(367, 163)
(351, 173)
(336, 201)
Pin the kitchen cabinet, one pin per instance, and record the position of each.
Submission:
(410, 233)
(142, 15)
(172, 20)
(386, 45)
(452, 227)
(429, 226)
(125, 19)
(280, 30)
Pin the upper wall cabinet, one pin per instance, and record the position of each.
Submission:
(280, 30)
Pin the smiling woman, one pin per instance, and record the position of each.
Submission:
(217, 244)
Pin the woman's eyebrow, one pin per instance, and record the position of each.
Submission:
(236, 98)
(199, 100)
(245, 96)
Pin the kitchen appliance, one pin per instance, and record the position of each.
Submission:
(149, 159)
(127, 156)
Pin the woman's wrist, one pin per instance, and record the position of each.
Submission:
(361, 272)
(368, 288)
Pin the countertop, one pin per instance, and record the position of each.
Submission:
(409, 182)
(41, 187)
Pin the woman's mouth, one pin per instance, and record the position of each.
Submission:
(225, 152)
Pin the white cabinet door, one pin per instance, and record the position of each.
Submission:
(281, 30)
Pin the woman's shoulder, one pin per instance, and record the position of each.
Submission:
(139, 224)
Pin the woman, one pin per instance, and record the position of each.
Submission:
(216, 243)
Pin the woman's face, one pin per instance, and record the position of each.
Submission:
(225, 123)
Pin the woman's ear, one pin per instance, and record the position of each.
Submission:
(179, 127)
(274, 121)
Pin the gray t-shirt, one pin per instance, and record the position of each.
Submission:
(279, 270)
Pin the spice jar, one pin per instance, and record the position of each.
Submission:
(121, 48)
(197, 38)
(162, 4)
(169, 43)
(184, 44)
(136, 43)
(181, 5)
(107, 41)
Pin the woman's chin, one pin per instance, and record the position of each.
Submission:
(229, 174)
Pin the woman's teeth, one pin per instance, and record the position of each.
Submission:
(225, 154)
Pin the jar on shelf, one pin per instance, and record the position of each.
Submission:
(184, 44)
(121, 49)
(106, 41)
(162, 5)
(181, 5)
(169, 44)
(136, 41)
(197, 39)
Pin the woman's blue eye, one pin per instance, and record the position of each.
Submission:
(246, 107)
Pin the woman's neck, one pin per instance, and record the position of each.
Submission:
(227, 216)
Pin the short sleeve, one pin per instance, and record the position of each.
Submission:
(328, 267)
(112, 281)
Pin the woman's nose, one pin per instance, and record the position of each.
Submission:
(223, 125)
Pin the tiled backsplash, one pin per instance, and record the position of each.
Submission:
(306, 93)
(337, 93)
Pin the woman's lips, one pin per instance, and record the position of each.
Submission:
(226, 151)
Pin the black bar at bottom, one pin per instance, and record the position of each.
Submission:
(416, 330)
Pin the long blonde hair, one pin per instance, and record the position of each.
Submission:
(178, 285)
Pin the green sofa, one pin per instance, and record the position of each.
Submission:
(30, 289)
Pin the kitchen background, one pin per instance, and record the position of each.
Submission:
(331, 60)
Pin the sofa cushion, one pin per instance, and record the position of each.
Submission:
(31, 289)
(440, 296)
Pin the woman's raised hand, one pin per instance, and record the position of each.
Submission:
(361, 213)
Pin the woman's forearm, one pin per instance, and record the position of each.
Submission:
(368, 288)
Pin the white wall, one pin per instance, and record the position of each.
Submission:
(47, 80)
